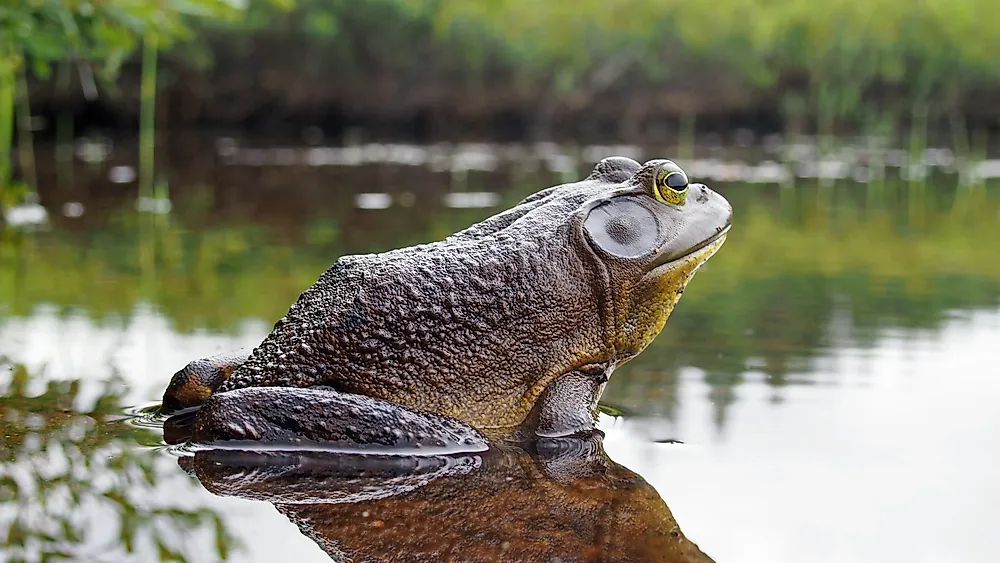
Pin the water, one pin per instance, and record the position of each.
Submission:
(826, 390)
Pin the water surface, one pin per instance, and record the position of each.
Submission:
(830, 374)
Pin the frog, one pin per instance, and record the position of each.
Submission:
(508, 329)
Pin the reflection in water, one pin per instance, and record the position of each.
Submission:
(554, 500)
(74, 485)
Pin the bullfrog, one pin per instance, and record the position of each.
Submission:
(509, 328)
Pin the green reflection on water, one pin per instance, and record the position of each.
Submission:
(70, 471)
(804, 271)
(817, 271)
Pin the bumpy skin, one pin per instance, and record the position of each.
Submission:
(551, 500)
(478, 327)
(195, 383)
(316, 414)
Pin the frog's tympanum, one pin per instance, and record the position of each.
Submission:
(509, 328)
(553, 499)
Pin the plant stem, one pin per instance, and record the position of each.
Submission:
(825, 116)
(876, 158)
(147, 114)
(64, 130)
(915, 165)
(6, 118)
(918, 136)
(25, 142)
(977, 153)
(963, 150)
(64, 151)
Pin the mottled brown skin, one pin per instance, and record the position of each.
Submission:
(556, 499)
(520, 318)
(195, 383)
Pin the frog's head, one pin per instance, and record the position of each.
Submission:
(646, 234)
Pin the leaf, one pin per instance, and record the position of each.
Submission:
(222, 538)
(41, 68)
(70, 533)
(165, 552)
(46, 46)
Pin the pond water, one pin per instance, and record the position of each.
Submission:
(826, 390)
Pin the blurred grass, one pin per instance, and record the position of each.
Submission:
(839, 58)
(824, 67)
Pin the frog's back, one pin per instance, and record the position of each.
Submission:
(433, 326)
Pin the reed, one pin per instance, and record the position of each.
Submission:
(147, 117)
(25, 137)
(64, 132)
(7, 87)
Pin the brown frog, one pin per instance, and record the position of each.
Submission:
(510, 327)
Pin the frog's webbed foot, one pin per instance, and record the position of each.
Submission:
(195, 382)
(323, 418)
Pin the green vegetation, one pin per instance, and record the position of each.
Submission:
(837, 61)
(843, 65)
(771, 300)
(925, 49)
(97, 37)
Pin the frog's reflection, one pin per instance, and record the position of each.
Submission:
(554, 499)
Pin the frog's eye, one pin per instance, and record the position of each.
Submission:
(671, 186)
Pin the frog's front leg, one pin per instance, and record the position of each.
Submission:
(568, 405)
(310, 416)
(195, 382)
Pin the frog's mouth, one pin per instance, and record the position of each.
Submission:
(701, 251)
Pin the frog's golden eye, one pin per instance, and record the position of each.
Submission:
(671, 186)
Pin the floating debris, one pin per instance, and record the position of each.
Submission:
(474, 157)
(769, 172)
(471, 199)
(26, 215)
(986, 169)
(72, 209)
(376, 200)
(121, 174)
(826, 169)
(803, 158)
(226, 147)
(93, 149)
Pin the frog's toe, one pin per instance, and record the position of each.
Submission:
(195, 382)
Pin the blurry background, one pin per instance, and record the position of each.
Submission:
(173, 173)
